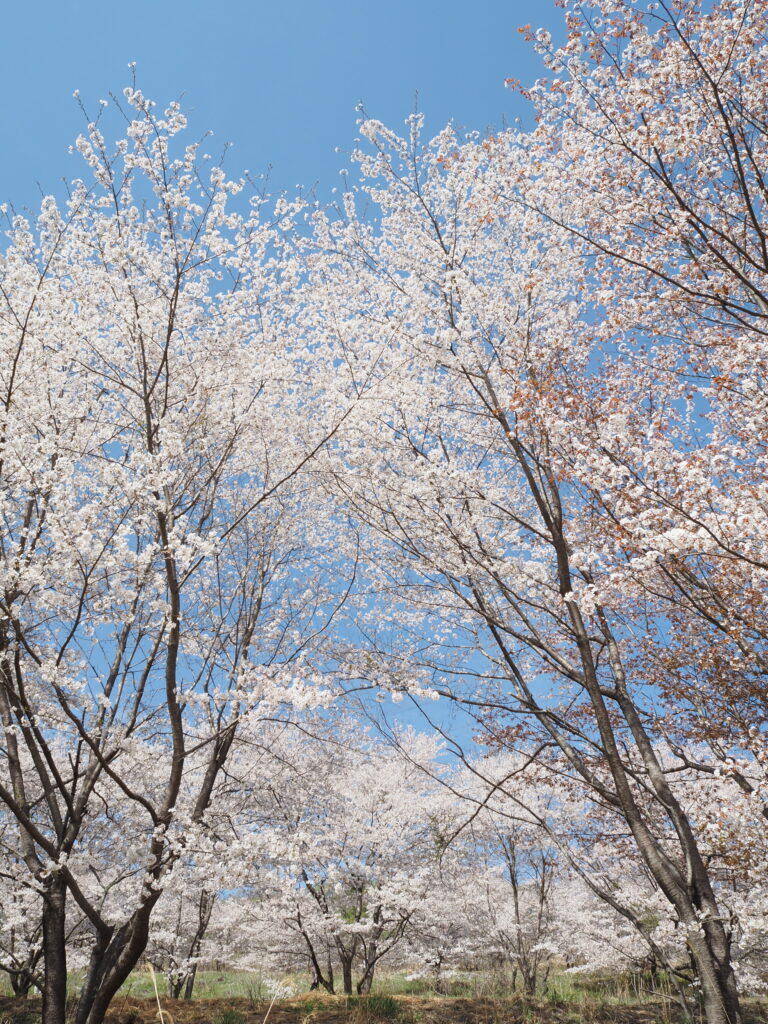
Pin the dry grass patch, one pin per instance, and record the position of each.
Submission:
(322, 1009)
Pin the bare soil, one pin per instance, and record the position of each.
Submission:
(337, 1010)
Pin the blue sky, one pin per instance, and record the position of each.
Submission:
(280, 79)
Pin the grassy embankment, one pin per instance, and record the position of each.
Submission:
(244, 998)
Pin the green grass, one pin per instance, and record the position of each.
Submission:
(224, 984)
(377, 1006)
(620, 989)
(229, 1017)
(400, 985)
(569, 994)
(208, 985)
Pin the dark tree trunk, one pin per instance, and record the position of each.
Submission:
(318, 978)
(112, 959)
(189, 985)
(346, 973)
(205, 909)
(529, 982)
(174, 988)
(21, 982)
(369, 968)
(54, 953)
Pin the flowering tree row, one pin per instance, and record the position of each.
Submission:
(336, 855)
(501, 440)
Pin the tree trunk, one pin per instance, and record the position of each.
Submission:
(205, 909)
(689, 892)
(174, 988)
(346, 974)
(54, 952)
(189, 985)
(529, 981)
(318, 978)
(710, 949)
(20, 985)
(113, 957)
(21, 982)
(365, 983)
(369, 966)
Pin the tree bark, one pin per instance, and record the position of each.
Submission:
(346, 974)
(111, 963)
(710, 950)
(205, 909)
(365, 983)
(55, 952)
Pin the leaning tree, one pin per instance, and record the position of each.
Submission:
(561, 479)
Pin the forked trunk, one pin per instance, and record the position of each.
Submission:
(174, 988)
(112, 960)
(21, 983)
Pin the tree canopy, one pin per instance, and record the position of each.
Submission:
(490, 430)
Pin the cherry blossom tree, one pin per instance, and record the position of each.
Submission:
(522, 407)
(673, 118)
(342, 859)
(20, 930)
(166, 570)
(553, 478)
(521, 874)
(176, 944)
(666, 205)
